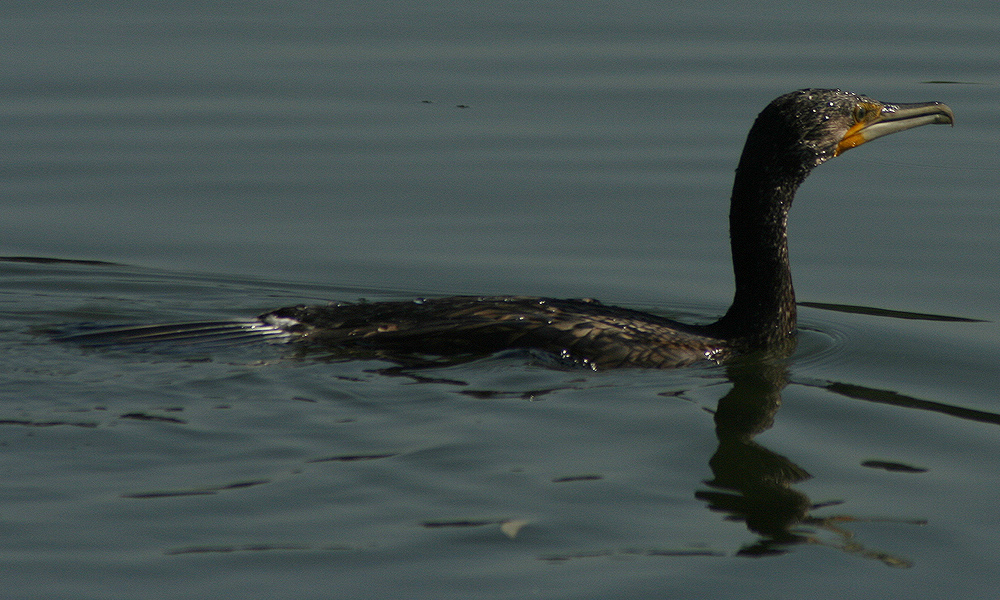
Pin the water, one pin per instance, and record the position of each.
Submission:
(229, 162)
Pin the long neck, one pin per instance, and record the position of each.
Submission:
(763, 311)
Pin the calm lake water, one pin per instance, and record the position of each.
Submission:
(223, 160)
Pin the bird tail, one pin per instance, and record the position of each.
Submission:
(192, 334)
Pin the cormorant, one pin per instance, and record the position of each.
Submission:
(795, 133)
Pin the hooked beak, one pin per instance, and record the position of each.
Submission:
(890, 118)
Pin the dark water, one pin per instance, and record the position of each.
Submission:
(229, 160)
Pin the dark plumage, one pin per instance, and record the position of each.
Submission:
(791, 136)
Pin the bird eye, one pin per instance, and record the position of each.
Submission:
(860, 112)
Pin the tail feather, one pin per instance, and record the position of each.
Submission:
(190, 334)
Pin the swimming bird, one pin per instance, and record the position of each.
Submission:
(794, 134)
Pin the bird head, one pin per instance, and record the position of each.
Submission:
(808, 127)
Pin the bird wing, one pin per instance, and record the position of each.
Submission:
(586, 330)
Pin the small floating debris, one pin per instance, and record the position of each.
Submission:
(509, 527)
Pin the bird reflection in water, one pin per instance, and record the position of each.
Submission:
(754, 485)
(750, 483)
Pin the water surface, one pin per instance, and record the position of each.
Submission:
(226, 163)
